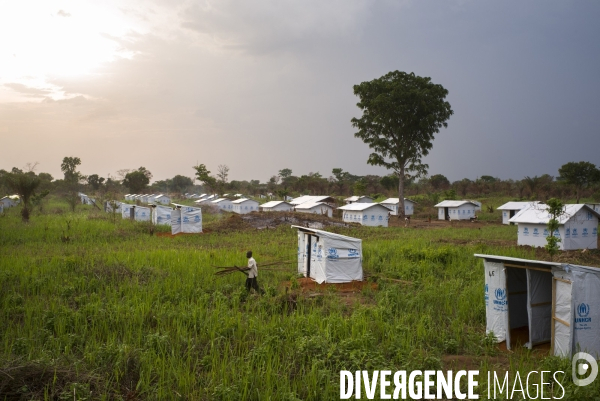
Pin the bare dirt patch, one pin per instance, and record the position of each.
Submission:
(348, 293)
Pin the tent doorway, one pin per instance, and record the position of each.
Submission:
(511, 215)
(446, 214)
(529, 293)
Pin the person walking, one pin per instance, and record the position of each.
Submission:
(251, 281)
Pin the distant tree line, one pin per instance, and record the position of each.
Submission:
(575, 180)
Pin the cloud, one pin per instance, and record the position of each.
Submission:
(274, 26)
(63, 13)
(27, 90)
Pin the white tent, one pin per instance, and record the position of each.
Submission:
(126, 210)
(312, 199)
(509, 209)
(1, 207)
(578, 226)
(243, 206)
(161, 215)
(162, 199)
(191, 220)
(456, 210)
(186, 219)
(394, 203)
(277, 206)
(142, 213)
(328, 257)
(223, 204)
(315, 208)
(8, 201)
(477, 204)
(557, 303)
(595, 206)
(367, 214)
(358, 199)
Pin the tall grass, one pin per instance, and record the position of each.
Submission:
(122, 314)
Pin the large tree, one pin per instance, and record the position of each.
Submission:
(401, 114)
(580, 175)
(203, 175)
(71, 181)
(137, 180)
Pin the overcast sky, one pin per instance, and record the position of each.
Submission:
(267, 84)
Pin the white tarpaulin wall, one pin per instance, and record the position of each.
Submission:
(142, 213)
(562, 303)
(584, 308)
(496, 303)
(539, 306)
(332, 258)
(125, 211)
(191, 220)
(176, 221)
(161, 215)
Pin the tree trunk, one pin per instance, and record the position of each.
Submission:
(401, 193)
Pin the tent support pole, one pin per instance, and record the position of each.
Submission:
(309, 253)
(553, 314)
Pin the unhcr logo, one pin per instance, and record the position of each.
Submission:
(574, 233)
(525, 231)
(546, 233)
(568, 232)
(500, 294)
(584, 232)
(583, 311)
(536, 232)
(594, 232)
(332, 253)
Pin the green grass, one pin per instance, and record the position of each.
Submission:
(116, 313)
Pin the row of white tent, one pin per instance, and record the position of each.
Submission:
(181, 218)
(9, 201)
(239, 206)
(360, 210)
(149, 198)
(86, 200)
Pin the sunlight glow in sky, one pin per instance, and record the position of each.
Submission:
(42, 40)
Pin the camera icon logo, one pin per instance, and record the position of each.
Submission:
(581, 368)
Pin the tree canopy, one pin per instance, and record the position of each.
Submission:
(580, 175)
(401, 114)
(137, 180)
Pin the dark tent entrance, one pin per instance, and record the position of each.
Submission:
(529, 293)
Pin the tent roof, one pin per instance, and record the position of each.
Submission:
(327, 234)
(313, 199)
(517, 260)
(310, 205)
(356, 198)
(362, 206)
(219, 200)
(274, 203)
(394, 201)
(515, 205)
(237, 202)
(534, 263)
(454, 203)
(537, 214)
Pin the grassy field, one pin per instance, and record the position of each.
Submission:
(92, 308)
